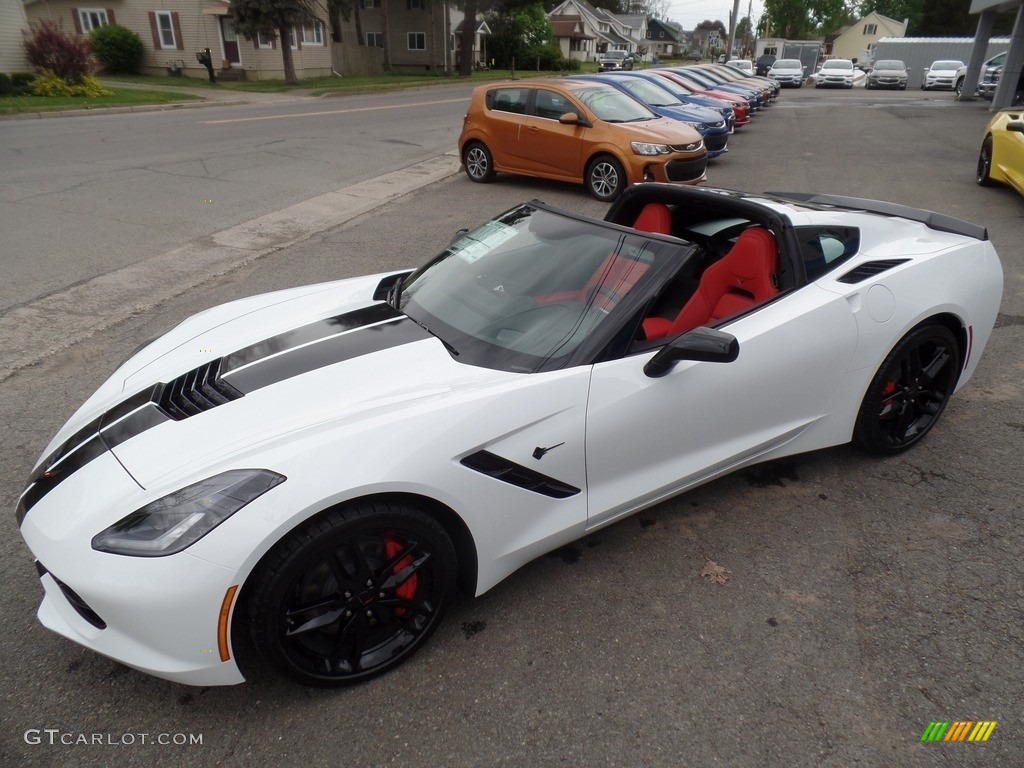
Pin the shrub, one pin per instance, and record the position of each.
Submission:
(6, 87)
(49, 84)
(48, 47)
(118, 48)
(21, 82)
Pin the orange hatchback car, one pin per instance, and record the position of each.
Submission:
(577, 131)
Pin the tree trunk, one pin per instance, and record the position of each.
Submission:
(468, 37)
(360, 40)
(284, 32)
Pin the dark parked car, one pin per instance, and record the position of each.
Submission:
(763, 64)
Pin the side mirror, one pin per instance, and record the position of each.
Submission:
(571, 118)
(702, 345)
(1015, 127)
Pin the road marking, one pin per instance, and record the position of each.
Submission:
(334, 111)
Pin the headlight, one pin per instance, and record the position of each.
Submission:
(646, 148)
(180, 519)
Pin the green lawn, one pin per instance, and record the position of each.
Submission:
(122, 97)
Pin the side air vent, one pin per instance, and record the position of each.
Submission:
(81, 607)
(197, 391)
(515, 474)
(870, 269)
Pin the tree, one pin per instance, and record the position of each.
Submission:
(911, 10)
(519, 35)
(800, 19)
(276, 18)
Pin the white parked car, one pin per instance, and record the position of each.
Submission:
(309, 475)
(744, 66)
(788, 72)
(835, 73)
(941, 75)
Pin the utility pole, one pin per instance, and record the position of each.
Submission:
(732, 29)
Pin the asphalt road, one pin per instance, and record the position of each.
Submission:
(866, 597)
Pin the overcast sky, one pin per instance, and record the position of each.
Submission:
(690, 13)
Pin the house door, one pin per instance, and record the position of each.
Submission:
(229, 38)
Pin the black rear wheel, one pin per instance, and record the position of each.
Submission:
(478, 163)
(909, 392)
(352, 594)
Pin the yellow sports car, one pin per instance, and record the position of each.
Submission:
(1002, 150)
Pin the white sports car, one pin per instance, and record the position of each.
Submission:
(310, 474)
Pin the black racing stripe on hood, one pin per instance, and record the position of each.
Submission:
(301, 350)
(324, 352)
(321, 329)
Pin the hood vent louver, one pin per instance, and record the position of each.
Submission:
(197, 391)
(870, 269)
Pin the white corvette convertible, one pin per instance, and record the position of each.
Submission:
(315, 471)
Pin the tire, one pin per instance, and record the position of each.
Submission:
(959, 87)
(867, 86)
(351, 594)
(984, 174)
(909, 392)
(605, 178)
(478, 162)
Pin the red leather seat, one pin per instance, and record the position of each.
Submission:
(655, 218)
(617, 273)
(745, 276)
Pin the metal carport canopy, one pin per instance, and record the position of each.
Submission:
(1014, 58)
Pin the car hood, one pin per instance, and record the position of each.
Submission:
(234, 380)
(663, 130)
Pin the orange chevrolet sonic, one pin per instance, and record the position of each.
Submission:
(577, 131)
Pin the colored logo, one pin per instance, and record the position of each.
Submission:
(959, 730)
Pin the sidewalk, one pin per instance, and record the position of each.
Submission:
(210, 96)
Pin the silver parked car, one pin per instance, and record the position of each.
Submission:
(887, 73)
(788, 72)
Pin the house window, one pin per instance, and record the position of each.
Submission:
(294, 39)
(371, 3)
(92, 18)
(417, 41)
(375, 39)
(165, 28)
(416, 5)
(313, 34)
(870, 29)
(264, 40)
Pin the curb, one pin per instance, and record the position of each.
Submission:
(46, 326)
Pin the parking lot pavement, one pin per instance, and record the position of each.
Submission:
(866, 598)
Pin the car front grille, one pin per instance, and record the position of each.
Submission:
(716, 142)
(685, 170)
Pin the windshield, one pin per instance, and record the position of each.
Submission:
(947, 65)
(788, 64)
(840, 64)
(527, 289)
(649, 93)
(615, 55)
(889, 65)
(613, 106)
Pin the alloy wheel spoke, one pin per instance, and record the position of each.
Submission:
(323, 620)
(395, 580)
(931, 371)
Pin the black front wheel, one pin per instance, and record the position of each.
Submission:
(351, 594)
(984, 175)
(909, 392)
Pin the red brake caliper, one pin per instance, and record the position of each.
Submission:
(407, 590)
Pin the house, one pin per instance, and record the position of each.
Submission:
(173, 31)
(12, 23)
(664, 39)
(572, 38)
(857, 41)
(599, 29)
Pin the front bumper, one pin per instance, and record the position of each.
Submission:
(160, 615)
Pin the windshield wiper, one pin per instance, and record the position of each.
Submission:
(447, 345)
